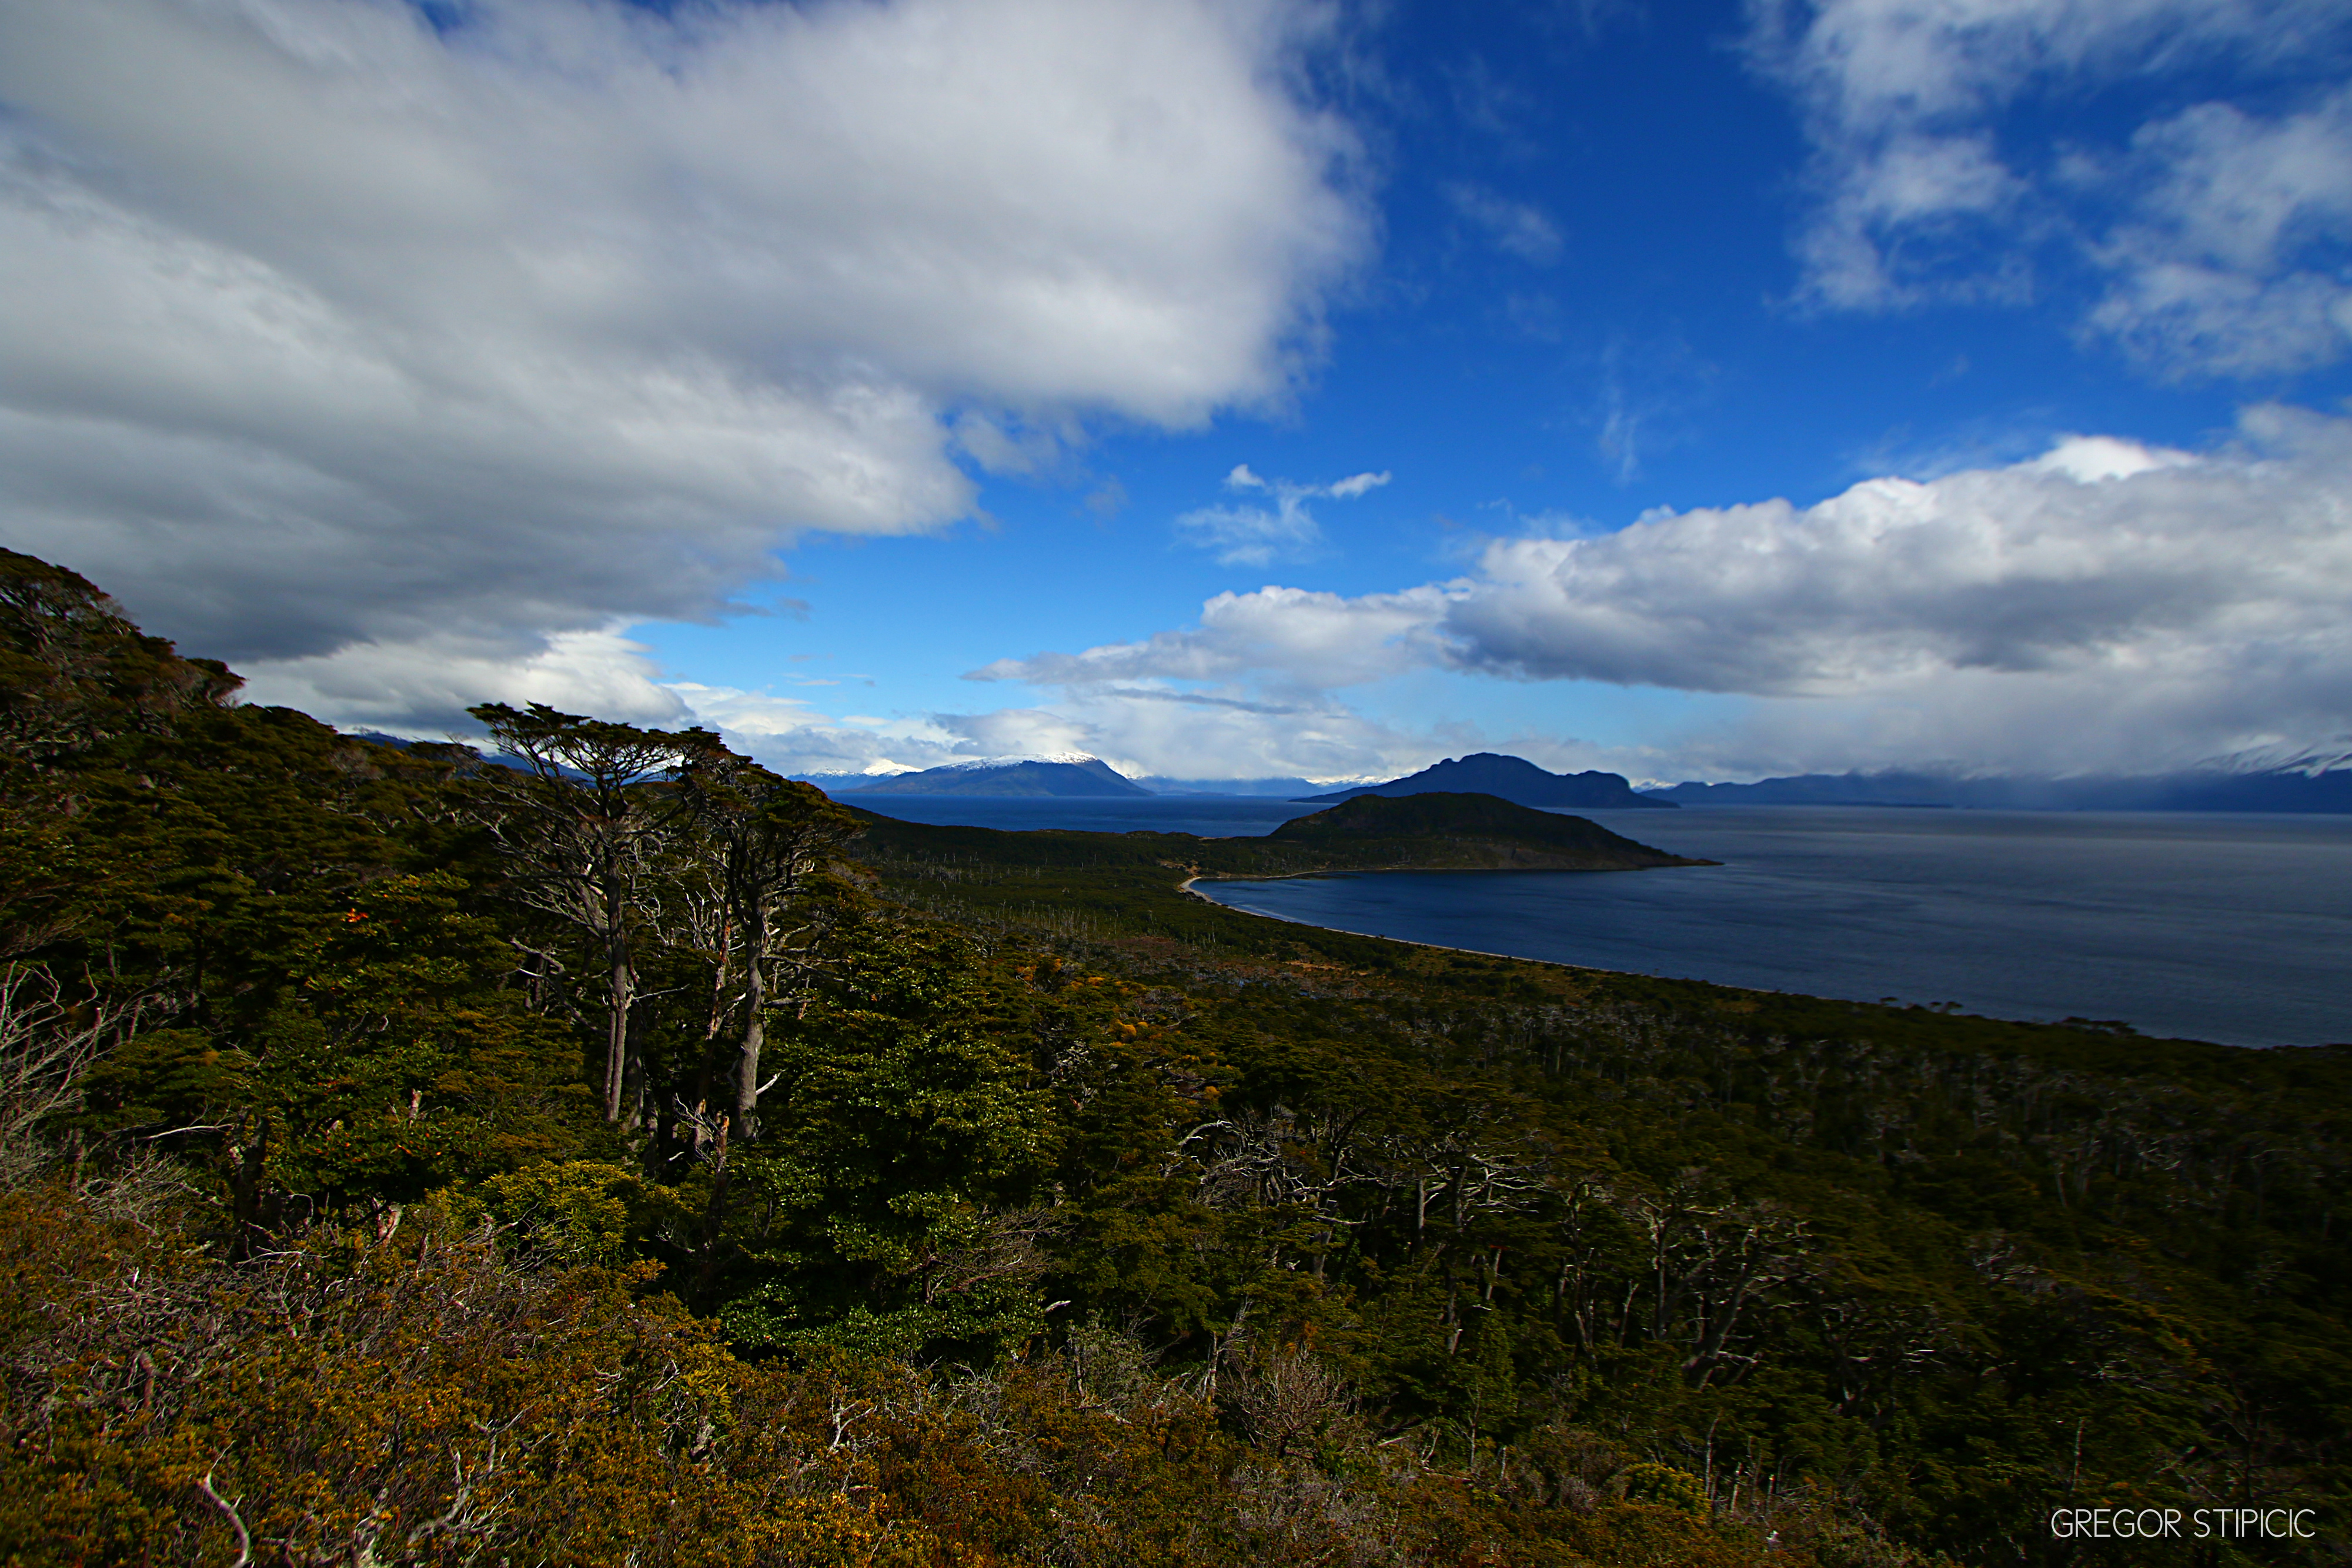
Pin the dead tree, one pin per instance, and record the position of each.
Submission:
(580, 829)
(769, 839)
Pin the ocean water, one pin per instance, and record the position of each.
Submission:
(2229, 927)
(2232, 928)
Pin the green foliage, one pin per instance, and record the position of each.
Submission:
(382, 1063)
(423, 1399)
(1937, 1272)
(572, 1212)
(406, 1158)
(1665, 1486)
(902, 1147)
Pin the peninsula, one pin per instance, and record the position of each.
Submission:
(1373, 832)
(1446, 831)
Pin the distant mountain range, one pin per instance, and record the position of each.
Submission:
(2307, 780)
(2279, 778)
(1512, 779)
(1058, 776)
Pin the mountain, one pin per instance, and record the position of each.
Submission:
(2334, 757)
(1513, 779)
(1889, 788)
(840, 783)
(2310, 781)
(1071, 775)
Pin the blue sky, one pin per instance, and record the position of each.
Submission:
(1233, 387)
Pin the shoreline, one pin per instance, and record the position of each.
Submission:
(1185, 887)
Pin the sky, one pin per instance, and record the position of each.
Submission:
(1227, 389)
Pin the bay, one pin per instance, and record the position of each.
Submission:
(2220, 927)
(2233, 929)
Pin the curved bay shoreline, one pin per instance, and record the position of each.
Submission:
(2207, 927)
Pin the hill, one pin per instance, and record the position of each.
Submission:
(654, 1162)
(1451, 832)
(1029, 776)
(1513, 779)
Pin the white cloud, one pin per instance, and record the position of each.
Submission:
(792, 735)
(2234, 259)
(2220, 231)
(1253, 535)
(2108, 604)
(1305, 639)
(1250, 536)
(1357, 484)
(323, 331)
(2025, 569)
(1139, 730)
(1157, 733)
(426, 684)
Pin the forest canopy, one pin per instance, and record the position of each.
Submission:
(591, 1147)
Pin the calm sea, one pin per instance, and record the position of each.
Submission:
(2227, 927)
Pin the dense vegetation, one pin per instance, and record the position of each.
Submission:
(617, 1154)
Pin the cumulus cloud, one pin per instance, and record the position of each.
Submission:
(1306, 640)
(2144, 604)
(1241, 535)
(326, 332)
(2028, 568)
(2212, 226)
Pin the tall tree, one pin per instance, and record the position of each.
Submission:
(579, 831)
(771, 838)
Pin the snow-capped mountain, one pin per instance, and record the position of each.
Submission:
(2311, 761)
(1067, 773)
(2289, 778)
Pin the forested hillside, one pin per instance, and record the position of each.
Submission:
(608, 1152)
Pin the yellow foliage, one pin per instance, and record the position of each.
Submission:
(432, 1398)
